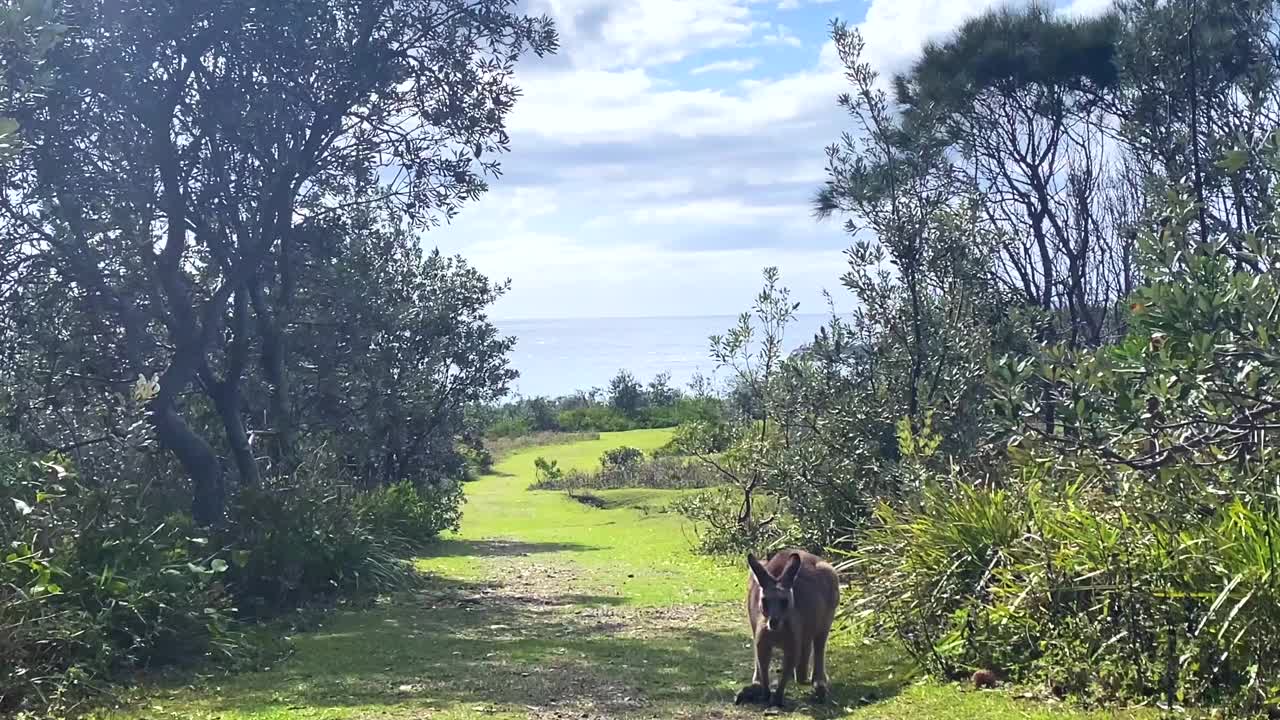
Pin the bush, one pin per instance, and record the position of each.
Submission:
(662, 474)
(547, 470)
(597, 418)
(411, 514)
(714, 516)
(923, 577)
(311, 540)
(509, 428)
(1095, 600)
(621, 459)
(476, 460)
(93, 585)
(100, 579)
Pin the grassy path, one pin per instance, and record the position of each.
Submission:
(545, 608)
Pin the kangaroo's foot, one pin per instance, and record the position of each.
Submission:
(752, 694)
(820, 693)
(777, 699)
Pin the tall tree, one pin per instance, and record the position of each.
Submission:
(168, 166)
(1021, 94)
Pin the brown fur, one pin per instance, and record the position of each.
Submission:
(791, 603)
(984, 679)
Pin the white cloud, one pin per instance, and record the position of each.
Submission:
(604, 105)
(602, 34)
(555, 276)
(1087, 8)
(780, 35)
(797, 4)
(629, 195)
(897, 30)
(726, 66)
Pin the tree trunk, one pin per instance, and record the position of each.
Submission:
(208, 491)
(274, 367)
(226, 397)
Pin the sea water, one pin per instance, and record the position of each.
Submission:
(559, 357)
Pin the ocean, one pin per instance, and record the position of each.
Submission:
(558, 357)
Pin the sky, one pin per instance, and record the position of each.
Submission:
(671, 149)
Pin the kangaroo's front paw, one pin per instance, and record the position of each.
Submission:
(752, 694)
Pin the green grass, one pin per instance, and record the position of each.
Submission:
(545, 607)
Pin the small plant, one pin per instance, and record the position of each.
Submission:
(547, 470)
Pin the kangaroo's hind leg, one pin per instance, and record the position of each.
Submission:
(821, 683)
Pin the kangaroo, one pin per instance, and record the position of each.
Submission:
(791, 603)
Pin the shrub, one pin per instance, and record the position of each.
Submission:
(547, 470)
(93, 584)
(924, 575)
(714, 515)
(476, 460)
(509, 428)
(1085, 594)
(412, 514)
(99, 579)
(621, 459)
(596, 418)
(661, 473)
(312, 539)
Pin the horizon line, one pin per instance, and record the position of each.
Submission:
(642, 317)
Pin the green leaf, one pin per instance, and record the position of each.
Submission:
(1234, 161)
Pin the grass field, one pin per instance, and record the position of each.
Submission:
(544, 607)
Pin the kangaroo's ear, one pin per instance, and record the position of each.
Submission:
(793, 567)
(762, 575)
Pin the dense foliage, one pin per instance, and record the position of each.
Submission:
(231, 381)
(625, 405)
(1041, 443)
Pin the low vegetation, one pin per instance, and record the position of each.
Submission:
(619, 469)
(625, 405)
(544, 607)
(501, 447)
(103, 581)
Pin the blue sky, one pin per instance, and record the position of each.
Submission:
(669, 152)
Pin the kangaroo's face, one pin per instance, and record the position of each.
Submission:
(777, 600)
(776, 604)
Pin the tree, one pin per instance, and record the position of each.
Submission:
(1201, 90)
(626, 395)
(660, 393)
(389, 346)
(1022, 95)
(167, 172)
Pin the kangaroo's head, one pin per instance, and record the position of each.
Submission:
(776, 597)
